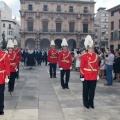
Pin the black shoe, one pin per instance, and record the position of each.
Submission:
(50, 77)
(67, 87)
(87, 106)
(2, 113)
(92, 106)
(63, 87)
(55, 77)
(12, 90)
(107, 84)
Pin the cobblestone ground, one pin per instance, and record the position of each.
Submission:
(37, 97)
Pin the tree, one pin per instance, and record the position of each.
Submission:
(4, 43)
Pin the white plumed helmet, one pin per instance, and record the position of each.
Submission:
(64, 42)
(10, 44)
(15, 42)
(52, 42)
(88, 42)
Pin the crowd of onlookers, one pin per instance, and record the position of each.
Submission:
(109, 61)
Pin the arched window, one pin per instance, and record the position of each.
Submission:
(30, 24)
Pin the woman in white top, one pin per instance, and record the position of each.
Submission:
(102, 67)
(77, 65)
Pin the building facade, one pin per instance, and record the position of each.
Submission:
(11, 29)
(6, 12)
(46, 20)
(101, 32)
(9, 26)
(114, 27)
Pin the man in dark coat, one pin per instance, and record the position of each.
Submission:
(45, 57)
(25, 55)
(39, 57)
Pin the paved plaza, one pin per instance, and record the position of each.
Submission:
(37, 97)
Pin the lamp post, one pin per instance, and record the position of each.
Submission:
(4, 43)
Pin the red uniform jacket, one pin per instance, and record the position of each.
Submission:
(89, 66)
(65, 59)
(13, 61)
(4, 66)
(18, 54)
(52, 56)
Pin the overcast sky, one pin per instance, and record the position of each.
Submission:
(15, 5)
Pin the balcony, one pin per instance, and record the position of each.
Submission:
(53, 31)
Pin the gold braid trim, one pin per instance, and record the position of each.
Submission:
(95, 59)
(3, 57)
(53, 55)
(67, 55)
(13, 57)
(89, 63)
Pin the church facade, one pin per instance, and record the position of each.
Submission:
(46, 20)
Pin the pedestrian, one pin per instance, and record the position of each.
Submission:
(64, 62)
(39, 55)
(4, 74)
(45, 57)
(117, 66)
(102, 67)
(13, 65)
(25, 52)
(52, 60)
(88, 72)
(30, 60)
(109, 59)
(77, 64)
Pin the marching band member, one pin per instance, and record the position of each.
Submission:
(64, 62)
(13, 65)
(52, 59)
(88, 73)
(4, 73)
(19, 56)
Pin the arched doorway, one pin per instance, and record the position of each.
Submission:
(71, 44)
(44, 43)
(58, 43)
(30, 43)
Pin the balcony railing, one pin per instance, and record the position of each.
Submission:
(63, 31)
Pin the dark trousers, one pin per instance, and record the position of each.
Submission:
(89, 92)
(12, 81)
(46, 62)
(66, 73)
(53, 70)
(2, 88)
(38, 61)
(17, 73)
(42, 59)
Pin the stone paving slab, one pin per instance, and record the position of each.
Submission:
(37, 97)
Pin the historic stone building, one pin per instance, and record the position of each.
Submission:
(114, 27)
(46, 20)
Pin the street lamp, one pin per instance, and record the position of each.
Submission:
(4, 43)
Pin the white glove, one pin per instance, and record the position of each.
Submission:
(48, 63)
(7, 80)
(61, 68)
(81, 78)
(16, 69)
(71, 68)
(98, 77)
